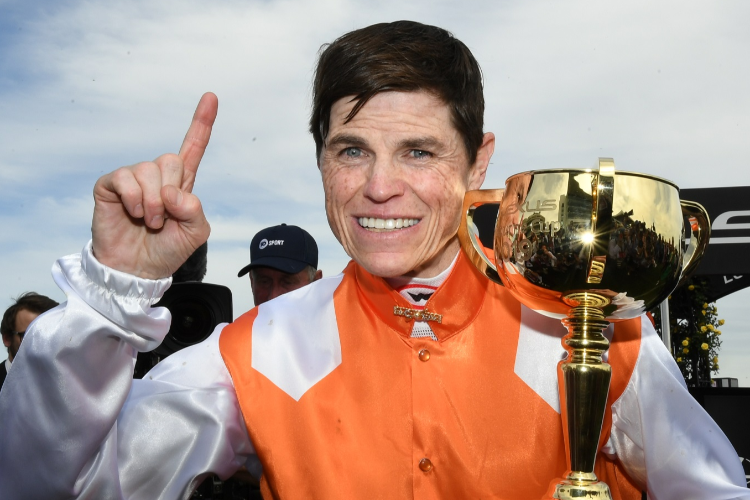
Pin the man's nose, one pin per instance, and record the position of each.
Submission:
(276, 290)
(383, 181)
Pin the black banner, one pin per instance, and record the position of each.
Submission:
(730, 408)
(721, 285)
(726, 263)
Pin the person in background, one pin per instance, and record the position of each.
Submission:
(16, 319)
(282, 259)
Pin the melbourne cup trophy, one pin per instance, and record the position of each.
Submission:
(590, 247)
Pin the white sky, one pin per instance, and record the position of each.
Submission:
(88, 86)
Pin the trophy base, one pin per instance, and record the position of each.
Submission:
(579, 485)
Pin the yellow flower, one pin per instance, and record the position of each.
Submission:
(705, 306)
(721, 322)
(685, 350)
(704, 346)
(685, 342)
(716, 360)
(711, 327)
(703, 329)
(718, 332)
(703, 312)
(679, 360)
(691, 287)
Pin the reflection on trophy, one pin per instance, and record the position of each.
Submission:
(586, 246)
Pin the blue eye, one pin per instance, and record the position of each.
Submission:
(353, 152)
(419, 153)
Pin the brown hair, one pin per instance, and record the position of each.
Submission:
(404, 56)
(29, 301)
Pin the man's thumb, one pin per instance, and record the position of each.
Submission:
(172, 197)
(182, 206)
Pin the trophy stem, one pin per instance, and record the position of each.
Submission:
(585, 379)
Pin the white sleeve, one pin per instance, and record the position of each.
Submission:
(73, 422)
(664, 438)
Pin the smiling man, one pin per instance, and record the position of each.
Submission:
(398, 159)
(409, 375)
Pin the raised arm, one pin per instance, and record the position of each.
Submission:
(73, 423)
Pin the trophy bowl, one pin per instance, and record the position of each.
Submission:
(587, 246)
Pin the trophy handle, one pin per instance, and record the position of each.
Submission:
(468, 234)
(700, 234)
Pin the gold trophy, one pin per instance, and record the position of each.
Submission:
(587, 246)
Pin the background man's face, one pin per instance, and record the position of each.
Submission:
(402, 165)
(268, 283)
(23, 320)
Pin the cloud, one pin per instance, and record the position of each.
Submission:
(33, 236)
(656, 86)
(88, 86)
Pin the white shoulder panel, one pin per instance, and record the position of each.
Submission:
(539, 350)
(296, 338)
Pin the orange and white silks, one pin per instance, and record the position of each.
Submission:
(341, 403)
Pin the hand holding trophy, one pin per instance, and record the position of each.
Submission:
(587, 246)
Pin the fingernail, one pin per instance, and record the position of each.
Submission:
(138, 210)
(157, 221)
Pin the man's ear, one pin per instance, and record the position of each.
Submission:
(478, 171)
(318, 274)
(6, 341)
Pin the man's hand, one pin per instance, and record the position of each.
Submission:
(147, 221)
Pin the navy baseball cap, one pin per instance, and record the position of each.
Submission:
(289, 249)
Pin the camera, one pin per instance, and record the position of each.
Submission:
(196, 310)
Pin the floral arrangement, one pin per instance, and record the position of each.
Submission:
(695, 330)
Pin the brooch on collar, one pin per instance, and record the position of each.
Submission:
(417, 314)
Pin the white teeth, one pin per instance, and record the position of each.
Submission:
(386, 224)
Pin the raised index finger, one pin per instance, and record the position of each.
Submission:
(196, 139)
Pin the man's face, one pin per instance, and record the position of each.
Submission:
(23, 320)
(401, 166)
(268, 283)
